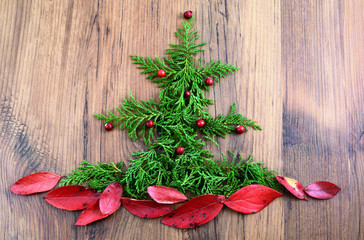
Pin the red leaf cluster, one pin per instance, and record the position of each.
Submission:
(193, 213)
(96, 206)
(109, 202)
(319, 190)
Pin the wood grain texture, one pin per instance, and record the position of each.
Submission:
(301, 77)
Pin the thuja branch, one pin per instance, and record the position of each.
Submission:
(151, 68)
(171, 127)
(200, 176)
(97, 176)
(223, 125)
(217, 70)
(185, 51)
(133, 114)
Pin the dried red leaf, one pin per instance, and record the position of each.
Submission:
(110, 198)
(35, 183)
(72, 197)
(322, 190)
(195, 212)
(292, 185)
(90, 214)
(252, 198)
(166, 195)
(145, 208)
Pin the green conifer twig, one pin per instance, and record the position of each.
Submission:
(175, 119)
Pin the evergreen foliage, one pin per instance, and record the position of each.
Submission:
(175, 125)
(97, 176)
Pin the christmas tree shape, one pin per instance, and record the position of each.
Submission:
(174, 130)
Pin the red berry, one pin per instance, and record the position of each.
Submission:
(149, 124)
(108, 126)
(180, 150)
(188, 14)
(209, 81)
(161, 73)
(200, 123)
(187, 94)
(240, 129)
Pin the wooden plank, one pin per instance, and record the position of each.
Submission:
(318, 128)
(353, 166)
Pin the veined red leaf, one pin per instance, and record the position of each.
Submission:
(195, 212)
(35, 183)
(145, 208)
(110, 198)
(91, 214)
(322, 190)
(72, 197)
(292, 185)
(166, 195)
(252, 198)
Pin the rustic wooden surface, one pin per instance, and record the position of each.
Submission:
(301, 77)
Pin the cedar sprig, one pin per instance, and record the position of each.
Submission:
(133, 114)
(175, 118)
(184, 52)
(151, 67)
(217, 70)
(200, 176)
(222, 125)
(237, 119)
(97, 176)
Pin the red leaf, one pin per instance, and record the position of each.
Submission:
(252, 198)
(292, 185)
(166, 195)
(322, 190)
(110, 198)
(72, 197)
(90, 214)
(35, 183)
(195, 212)
(145, 208)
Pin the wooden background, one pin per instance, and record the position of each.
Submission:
(301, 77)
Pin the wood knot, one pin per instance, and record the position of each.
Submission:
(361, 140)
